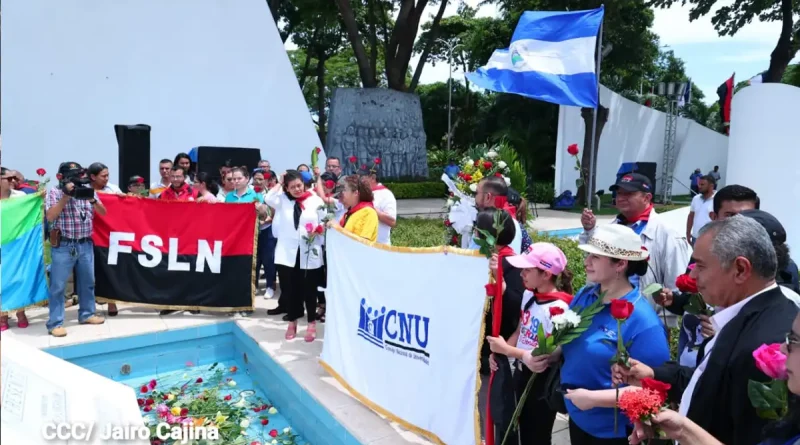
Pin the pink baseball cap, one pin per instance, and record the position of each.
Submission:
(544, 256)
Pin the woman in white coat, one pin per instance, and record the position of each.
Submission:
(298, 255)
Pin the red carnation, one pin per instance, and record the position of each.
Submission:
(140, 402)
(329, 184)
(184, 412)
(487, 165)
(140, 180)
(352, 159)
(319, 150)
(41, 171)
(377, 161)
(143, 389)
(621, 309)
(273, 433)
(228, 397)
(199, 380)
(659, 387)
(264, 422)
(556, 310)
(319, 229)
(573, 150)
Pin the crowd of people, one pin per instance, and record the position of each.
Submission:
(734, 255)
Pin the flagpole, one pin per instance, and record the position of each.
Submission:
(594, 121)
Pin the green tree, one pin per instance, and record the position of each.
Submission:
(730, 18)
(367, 21)
(792, 75)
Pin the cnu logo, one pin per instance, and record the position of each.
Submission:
(386, 329)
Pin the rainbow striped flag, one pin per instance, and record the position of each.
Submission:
(22, 274)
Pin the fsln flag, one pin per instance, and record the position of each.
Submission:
(551, 58)
(176, 255)
(725, 93)
(22, 274)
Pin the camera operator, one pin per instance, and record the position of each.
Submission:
(70, 211)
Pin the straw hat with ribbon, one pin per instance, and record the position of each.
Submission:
(616, 241)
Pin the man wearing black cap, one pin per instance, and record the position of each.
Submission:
(787, 269)
(71, 247)
(669, 252)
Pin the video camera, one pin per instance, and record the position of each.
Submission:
(72, 172)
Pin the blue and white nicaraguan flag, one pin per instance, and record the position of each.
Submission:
(551, 58)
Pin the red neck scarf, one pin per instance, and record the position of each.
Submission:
(302, 199)
(379, 187)
(495, 290)
(353, 210)
(644, 216)
(501, 202)
(547, 297)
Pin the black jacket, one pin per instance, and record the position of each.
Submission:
(512, 304)
(720, 404)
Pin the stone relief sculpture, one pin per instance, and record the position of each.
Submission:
(378, 123)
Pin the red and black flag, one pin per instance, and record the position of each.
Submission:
(176, 255)
(725, 93)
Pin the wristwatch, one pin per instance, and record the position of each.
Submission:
(92, 201)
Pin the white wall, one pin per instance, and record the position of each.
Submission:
(764, 151)
(635, 133)
(200, 72)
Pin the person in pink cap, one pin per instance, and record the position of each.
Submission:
(549, 289)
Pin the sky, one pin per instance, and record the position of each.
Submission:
(709, 58)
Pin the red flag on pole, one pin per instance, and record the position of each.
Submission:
(725, 93)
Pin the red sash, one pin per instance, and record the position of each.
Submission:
(353, 210)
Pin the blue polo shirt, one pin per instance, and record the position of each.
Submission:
(587, 358)
(249, 196)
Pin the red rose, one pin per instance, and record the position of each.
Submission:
(499, 175)
(352, 159)
(148, 408)
(377, 161)
(41, 171)
(199, 380)
(468, 178)
(228, 397)
(258, 189)
(685, 283)
(319, 229)
(184, 412)
(329, 184)
(660, 387)
(319, 150)
(264, 407)
(143, 389)
(455, 239)
(149, 402)
(273, 433)
(447, 223)
(556, 310)
(573, 150)
(165, 397)
(256, 409)
(140, 180)
(264, 422)
(140, 402)
(621, 309)
(363, 166)
(152, 384)
(487, 165)
(58, 176)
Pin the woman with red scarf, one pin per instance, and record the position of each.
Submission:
(501, 321)
(298, 254)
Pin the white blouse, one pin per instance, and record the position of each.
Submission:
(291, 239)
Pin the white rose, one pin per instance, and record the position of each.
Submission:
(286, 430)
(232, 383)
(474, 187)
(502, 164)
(492, 154)
(450, 203)
(508, 180)
(244, 423)
(468, 161)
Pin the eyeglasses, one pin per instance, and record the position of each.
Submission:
(790, 340)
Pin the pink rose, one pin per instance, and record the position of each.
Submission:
(771, 361)
(309, 227)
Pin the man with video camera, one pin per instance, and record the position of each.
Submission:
(70, 210)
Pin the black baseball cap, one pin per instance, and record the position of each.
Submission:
(68, 168)
(773, 227)
(633, 182)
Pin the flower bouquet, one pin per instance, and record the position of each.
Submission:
(567, 325)
(770, 399)
(640, 405)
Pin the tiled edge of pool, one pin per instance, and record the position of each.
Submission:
(562, 233)
(306, 414)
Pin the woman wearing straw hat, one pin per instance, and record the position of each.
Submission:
(614, 254)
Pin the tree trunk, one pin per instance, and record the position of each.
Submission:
(588, 120)
(321, 97)
(305, 72)
(432, 35)
(785, 49)
(401, 44)
(351, 26)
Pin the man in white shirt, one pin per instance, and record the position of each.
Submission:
(701, 208)
(164, 182)
(385, 204)
(491, 193)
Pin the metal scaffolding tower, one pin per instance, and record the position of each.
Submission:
(673, 92)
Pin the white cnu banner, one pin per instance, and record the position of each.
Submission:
(403, 330)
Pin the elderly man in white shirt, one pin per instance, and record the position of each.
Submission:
(669, 252)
